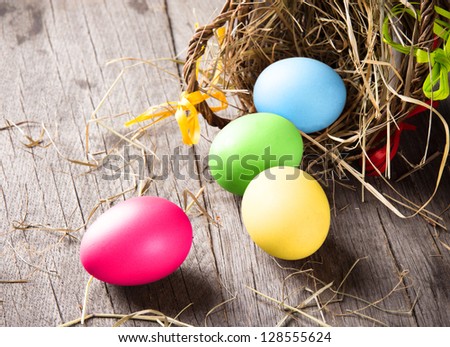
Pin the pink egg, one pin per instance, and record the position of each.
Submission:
(138, 241)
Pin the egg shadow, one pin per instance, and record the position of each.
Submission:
(185, 290)
(356, 262)
(329, 264)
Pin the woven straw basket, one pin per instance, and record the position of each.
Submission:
(382, 83)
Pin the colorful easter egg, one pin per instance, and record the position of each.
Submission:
(286, 213)
(138, 241)
(251, 144)
(305, 91)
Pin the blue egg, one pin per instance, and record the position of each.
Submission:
(306, 91)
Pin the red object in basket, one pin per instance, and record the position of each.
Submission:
(377, 156)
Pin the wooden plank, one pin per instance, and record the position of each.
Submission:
(55, 73)
(419, 246)
(100, 43)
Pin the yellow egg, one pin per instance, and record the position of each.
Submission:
(286, 213)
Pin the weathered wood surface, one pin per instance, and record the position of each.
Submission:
(53, 72)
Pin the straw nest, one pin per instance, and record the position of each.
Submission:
(383, 85)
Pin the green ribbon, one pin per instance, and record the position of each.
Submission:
(439, 59)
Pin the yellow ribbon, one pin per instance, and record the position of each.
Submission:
(439, 59)
(185, 113)
(185, 110)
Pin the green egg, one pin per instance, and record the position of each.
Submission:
(250, 145)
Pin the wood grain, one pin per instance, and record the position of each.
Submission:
(54, 74)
